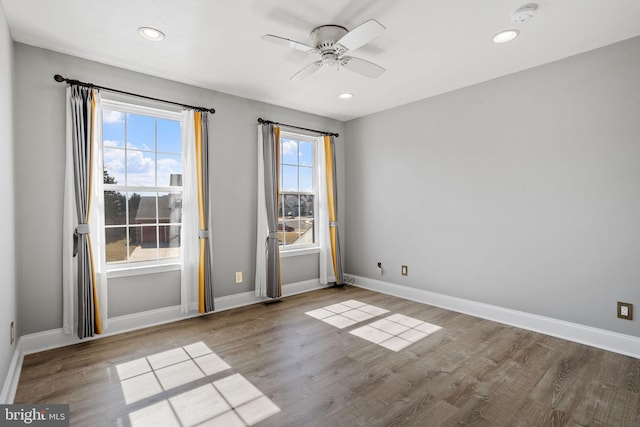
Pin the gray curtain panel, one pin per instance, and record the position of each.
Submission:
(204, 233)
(81, 112)
(271, 140)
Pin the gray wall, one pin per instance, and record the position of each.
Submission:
(133, 294)
(7, 260)
(40, 173)
(522, 192)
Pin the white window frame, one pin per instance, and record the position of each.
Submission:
(126, 269)
(300, 249)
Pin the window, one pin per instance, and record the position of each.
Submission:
(142, 170)
(298, 192)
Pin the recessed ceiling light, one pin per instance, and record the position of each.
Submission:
(345, 96)
(151, 34)
(505, 36)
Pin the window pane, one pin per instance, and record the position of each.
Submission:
(116, 244)
(115, 208)
(141, 168)
(306, 179)
(289, 181)
(113, 159)
(291, 231)
(169, 241)
(143, 241)
(307, 209)
(289, 151)
(305, 155)
(141, 132)
(174, 207)
(290, 205)
(135, 238)
(169, 170)
(113, 128)
(142, 208)
(169, 136)
(306, 232)
(169, 208)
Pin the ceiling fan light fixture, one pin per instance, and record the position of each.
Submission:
(329, 58)
(505, 36)
(345, 95)
(151, 33)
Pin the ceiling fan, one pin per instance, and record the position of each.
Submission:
(332, 42)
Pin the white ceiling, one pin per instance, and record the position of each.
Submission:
(429, 47)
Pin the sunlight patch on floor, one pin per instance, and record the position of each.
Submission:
(347, 313)
(229, 401)
(394, 332)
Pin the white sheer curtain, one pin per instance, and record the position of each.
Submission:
(190, 220)
(70, 223)
(96, 221)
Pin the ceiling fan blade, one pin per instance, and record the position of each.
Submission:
(361, 66)
(288, 42)
(307, 71)
(361, 35)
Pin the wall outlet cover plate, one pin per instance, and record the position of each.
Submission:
(625, 310)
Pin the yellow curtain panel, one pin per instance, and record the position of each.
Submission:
(332, 198)
(199, 172)
(98, 321)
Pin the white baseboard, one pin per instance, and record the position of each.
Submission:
(54, 338)
(248, 298)
(611, 341)
(10, 385)
(302, 287)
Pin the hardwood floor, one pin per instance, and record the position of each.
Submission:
(472, 372)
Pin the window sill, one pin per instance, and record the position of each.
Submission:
(127, 271)
(297, 252)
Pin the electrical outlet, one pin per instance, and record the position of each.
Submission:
(12, 334)
(238, 277)
(380, 268)
(405, 270)
(625, 310)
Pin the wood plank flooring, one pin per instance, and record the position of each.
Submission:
(472, 372)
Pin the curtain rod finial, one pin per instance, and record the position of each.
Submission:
(58, 78)
(212, 110)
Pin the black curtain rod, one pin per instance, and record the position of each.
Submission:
(61, 79)
(268, 122)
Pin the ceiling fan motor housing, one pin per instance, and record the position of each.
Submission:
(325, 37)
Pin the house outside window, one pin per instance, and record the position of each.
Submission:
(297, 217)
(142, 171)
